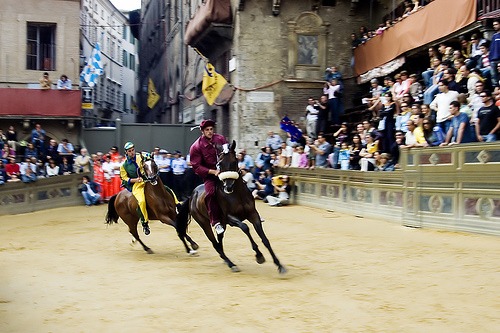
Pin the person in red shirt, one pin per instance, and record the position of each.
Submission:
(13, 170)
(203, 157)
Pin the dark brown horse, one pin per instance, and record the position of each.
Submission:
(237, 205)
(160, 206)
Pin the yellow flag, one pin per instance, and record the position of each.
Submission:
(153, 96)
(212, 84)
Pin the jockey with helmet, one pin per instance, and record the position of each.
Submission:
(132, 181)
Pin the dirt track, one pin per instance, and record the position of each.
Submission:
(63, 270)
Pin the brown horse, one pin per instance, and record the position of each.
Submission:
(237, 205)
(160, 206)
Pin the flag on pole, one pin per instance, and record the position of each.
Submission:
(289, 126)
(212, 84)
(153, 96)
(93, 68)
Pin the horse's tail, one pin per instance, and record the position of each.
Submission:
(183, 217)
(112, 215)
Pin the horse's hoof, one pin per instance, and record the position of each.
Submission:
(260, 259)
(193, 253)
(235, 269)
(282, 270)
(149, 251)
(195, 246)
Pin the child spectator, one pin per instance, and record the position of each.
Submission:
(344, 156)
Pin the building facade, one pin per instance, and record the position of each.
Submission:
(255, 45)
(114, 91)
(34, 38)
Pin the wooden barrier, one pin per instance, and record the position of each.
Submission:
(451, 188)
(53, 192)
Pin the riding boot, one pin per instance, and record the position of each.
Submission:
(145, 224)
(145, 227)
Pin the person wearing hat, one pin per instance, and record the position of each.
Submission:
(203, 154)
(132, 181)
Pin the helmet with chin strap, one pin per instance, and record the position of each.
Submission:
(128, 145)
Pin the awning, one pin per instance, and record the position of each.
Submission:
(211, 26)
(436, 20)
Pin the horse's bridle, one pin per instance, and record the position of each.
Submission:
(151, 179)
(226, 174)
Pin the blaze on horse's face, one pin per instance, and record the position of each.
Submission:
(150, 171)
(228, 166)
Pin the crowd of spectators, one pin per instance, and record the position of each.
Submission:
(456, 100)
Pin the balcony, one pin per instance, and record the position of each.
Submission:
(37, 103)
(420, 28)
(210, 30)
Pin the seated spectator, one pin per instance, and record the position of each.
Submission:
(39, 168)
(415, 89)
(281, 196)
(249, 163)
(263, 161)
(484, 63)
(354, 151)
(3, 138)
(344, 156)
(66, 149)
(28, 171)
(30, 151)
(90, 191)
(65, 168)
(3, 174)
(64, 83)
(13, 170)
(488, 119)
(264, 186)
(385, 163)
(7, 152)
(247, 177)
(460, 130)
(433, 134)
(367, 154)
(51, 169)
(414, 137)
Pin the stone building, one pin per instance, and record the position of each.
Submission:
(35, 38)
(274, 53)
(115, 90)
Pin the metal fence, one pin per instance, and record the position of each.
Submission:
(145, 137)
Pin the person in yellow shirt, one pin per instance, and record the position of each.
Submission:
(132, 181)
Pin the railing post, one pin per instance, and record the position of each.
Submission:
(118, 133)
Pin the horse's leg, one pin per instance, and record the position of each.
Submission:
(244, 227)
(217, 244)
(255, 220)
(132, 228)
(180, 225)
